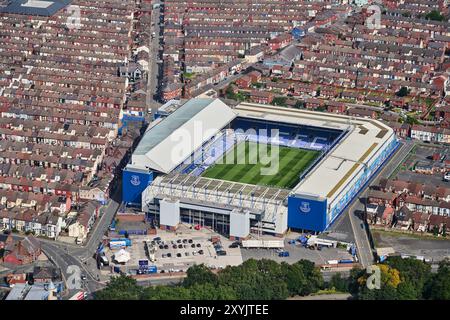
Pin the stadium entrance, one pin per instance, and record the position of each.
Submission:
(219, 223)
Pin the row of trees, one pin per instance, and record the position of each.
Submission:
(254, 279)
(401, 279)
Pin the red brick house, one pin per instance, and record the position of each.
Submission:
(244, 82)
(280, 42)
(263, 97)
(336, 107)
(22, 252)
(382, 198)
(172, 91)
(255, 76)
(313, 103)
(359, 112)
(439, 222)
(417, 106)
(443, 112)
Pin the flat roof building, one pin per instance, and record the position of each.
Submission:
(44, 8)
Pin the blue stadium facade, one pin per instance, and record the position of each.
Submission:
(315, 214)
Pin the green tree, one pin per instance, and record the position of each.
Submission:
(166, 293)
(413, 273)
(120, 288)
(338, 283)
(403, 92)
(407, 291)
(299, 104)
(434, 15)
(353, 283)
(294, 278)
(255, 279)
(208, 291)
(279, 101)
(435, 231)
(200, 274)
(411, 120)
(438, 288)
(312, 273)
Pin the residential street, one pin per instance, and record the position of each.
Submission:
(153, 72)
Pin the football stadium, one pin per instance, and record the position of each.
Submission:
(253, 168)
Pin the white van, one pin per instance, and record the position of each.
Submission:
(447, 176)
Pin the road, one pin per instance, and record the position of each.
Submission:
(96, 235)
(153, 66)
(356, 210)
(63, 258)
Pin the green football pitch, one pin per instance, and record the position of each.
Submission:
(248, 167)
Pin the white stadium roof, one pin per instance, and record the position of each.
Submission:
(167, 144)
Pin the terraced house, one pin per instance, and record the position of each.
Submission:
(61, 101)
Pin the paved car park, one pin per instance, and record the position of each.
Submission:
(297, 252)
(177, 251)
(433, 249)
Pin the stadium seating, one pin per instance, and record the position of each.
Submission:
(310, 138)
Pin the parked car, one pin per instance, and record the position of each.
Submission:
(283, 254)
(221, 253)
